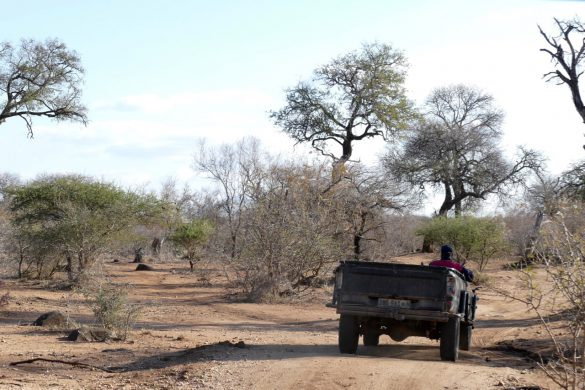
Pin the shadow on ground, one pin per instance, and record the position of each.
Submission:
(239, 351)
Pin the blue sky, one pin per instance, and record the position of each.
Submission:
(162, 74)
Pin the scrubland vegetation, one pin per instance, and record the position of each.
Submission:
(278, 227)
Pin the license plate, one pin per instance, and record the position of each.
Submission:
(394, 303)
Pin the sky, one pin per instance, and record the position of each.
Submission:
(160, 75)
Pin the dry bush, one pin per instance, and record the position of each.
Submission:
(519, 229)
(361, 202)
(560, 255)
(281, 226)
(5, 300)
(398, 237)
(287, 239)
(112, 308)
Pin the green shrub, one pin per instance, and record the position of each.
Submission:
(475, 239)
(112, 309)
(67, 221)
(191, 237)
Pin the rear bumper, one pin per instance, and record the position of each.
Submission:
(397, 314)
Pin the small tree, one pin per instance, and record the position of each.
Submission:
(40, 79)
(360, 202)
(232, 168)
(191, 237)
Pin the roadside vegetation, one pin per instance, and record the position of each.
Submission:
(279, 227)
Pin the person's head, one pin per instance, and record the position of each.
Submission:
(446, 252)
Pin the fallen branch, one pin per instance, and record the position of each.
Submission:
(75, 364)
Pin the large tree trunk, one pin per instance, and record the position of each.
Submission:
(447, 202)
(427, 246)
(358, 235)
(21, 258)
(530, 251)
(339, 170)
(69, 268)
(156, 245)
(457, 209)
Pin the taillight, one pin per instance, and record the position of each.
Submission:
(338, 279)
(451, 284)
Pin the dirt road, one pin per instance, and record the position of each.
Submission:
(191, 336)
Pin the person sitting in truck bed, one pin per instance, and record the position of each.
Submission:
(448, 261)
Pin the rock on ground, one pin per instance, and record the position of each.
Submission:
(52, 318)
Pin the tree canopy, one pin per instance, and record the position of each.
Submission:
(455, 148)
(476, 239)
(40, 79)
(356, 96)
(75, 218)
(191, 236)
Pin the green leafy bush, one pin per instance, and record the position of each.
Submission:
(191, 237)
(475, 239)
(67, 221)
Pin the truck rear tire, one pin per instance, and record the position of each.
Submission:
(349, 334)
(449, 344)
(465, 332)
(371, 338)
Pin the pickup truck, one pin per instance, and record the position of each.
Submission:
(402, 300)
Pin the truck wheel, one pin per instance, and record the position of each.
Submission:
(349, 334)
(449, 343)
(465, 333)
(371, 338)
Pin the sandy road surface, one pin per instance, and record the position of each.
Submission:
(189, 333)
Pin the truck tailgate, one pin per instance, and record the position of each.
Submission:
(377, 280)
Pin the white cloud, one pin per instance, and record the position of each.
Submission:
(151, 120)
(153, 137)
(157, 104)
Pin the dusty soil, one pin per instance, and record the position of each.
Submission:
(192, 335)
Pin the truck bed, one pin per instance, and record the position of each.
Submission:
(398, 291)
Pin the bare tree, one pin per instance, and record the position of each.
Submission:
(229, 167)
(288, 233)
(567, 50)
(543, 199)
(361, 201)
(40, 79)
(357, 96)
(177, 204)
(456, 149)
(572, 182)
